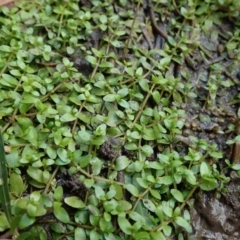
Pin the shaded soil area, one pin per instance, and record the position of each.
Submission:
(215, 218)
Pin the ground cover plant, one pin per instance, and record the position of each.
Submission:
(97, 120)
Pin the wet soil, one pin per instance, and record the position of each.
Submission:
(216, 218)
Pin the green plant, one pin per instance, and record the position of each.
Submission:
(6, 217)
(57, 118)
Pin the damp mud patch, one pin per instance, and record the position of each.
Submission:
(216, 217)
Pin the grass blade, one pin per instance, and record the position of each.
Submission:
(4, 190)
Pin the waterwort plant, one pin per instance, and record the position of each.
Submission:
(55, 118)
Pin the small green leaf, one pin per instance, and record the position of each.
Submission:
(91, 59)
(88, 183)
(131, 146)
(134, 105)
(110, 205)
(74, 202)
(125, 225)
(123, 92)
(9, 80)
(96, 166)
(79, 233)
(35, 209)
(157, 236)
(149, 205)
(109, 98)
(183, 223)
(51, 152)
(3, 222)
(66, 61)
(26, 221)
(118, 190)
(32, 135)
(167, 210)
(94, 235)
(235, 166)
(70, 50)
(167, 229)
(14, 95)
(216, 154)
(35, 173)
(177, 212)
(166, 180)
(132, 189)
(155, 165)
(143, 182)
(111, 193)
(123, 206)
(148, 134)
(67, 117)
(105, 226)
(190, 177)
(139, 72)
(100, 194)
(134, 134)
(171, 40)
(155, 194)
(85, 136)
(82, 216)
(63, 155)
(136, 217)
(121, 163)
(135, 167)
(208, 184)
(123, 103)
(165, 62)
(204, 170)
(144, 84)
(148, 111)
(159, 80)
(21, 64)
(16, 184)
(60, 213)
(58, 227)
(100, 130)
(5, 48)
(106, 65)
(156, 96)
(58, 193)
(177, 195)
(142, 235)
(97, 53)
(103, 19)
(83, 161)
(94, 210)
(147, 150)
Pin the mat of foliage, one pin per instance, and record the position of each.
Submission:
(91, 117)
